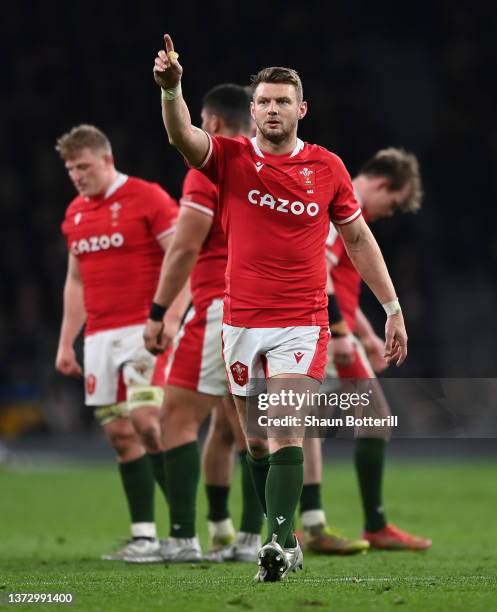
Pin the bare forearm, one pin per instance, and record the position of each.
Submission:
(176, 268)
(366, 256)
(191, 141)
(363, 327)
(74, 313)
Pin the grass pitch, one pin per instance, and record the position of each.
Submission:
(56, 522)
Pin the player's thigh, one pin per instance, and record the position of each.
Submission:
(101, 373)
(184, 406)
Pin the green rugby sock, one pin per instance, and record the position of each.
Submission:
(251, 521)
(182, 471)
(138, 483)
(283, 490)
(369, 459)
(217, 498)
(310, 498)
(157, 461)
(259, 469)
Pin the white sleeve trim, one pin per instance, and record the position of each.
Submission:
(209, 153)
(166, 232)
(348, 219)
(195, 206)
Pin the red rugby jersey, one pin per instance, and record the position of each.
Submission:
(115, 239)
(346, 279)
(207, 278)
(275, 212)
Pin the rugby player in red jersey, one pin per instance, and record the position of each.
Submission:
(276, 196)
(116, 229)
(388, 182)
(195, 376)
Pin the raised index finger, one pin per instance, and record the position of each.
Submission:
(169, 43)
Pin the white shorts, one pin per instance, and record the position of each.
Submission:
(263, 352)
(196, 361)
(119, 355)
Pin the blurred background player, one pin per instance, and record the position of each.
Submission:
(275, 323)
(390, 181)
(117, 229)
(196, 375)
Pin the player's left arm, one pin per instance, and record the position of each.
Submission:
(366, 256)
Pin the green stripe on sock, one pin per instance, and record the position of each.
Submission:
(157, 461)
(252, 517)
(138, 483)
(259, 469)
(182, 472)
(217, 498)
(283, 489)
(369, 459)
(310, 498)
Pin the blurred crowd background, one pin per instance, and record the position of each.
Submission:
(418, 75)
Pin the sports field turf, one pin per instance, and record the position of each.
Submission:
(55, 523)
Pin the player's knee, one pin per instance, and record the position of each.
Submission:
(126, 443)
(150, 437)
(257, 447)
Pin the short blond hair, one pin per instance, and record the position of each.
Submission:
(81, 137)
(401, 168)
(278, 74)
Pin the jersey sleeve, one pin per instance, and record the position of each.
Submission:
(220, 150)
(162, 211)
(199, 193)
(344, 207)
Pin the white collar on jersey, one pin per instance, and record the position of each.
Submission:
(298, 147)
(119, 182)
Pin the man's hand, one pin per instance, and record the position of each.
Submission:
(395, 339)
(375, 349)
(343, 350)
(167, 69)
(156, 340)
(66, 362)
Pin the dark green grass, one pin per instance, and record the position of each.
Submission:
(56, 522)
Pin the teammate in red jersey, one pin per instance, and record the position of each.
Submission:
(195, 376)
(276, 197)
(388, 182)
(116, 229)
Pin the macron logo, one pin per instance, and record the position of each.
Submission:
(280, 520)
(258, 166)
(298, 356)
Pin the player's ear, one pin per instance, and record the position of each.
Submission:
(108, 159)
(252, 109)
(302, 109)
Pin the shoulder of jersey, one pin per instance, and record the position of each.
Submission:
(237, 142)
(314, 150)
(143, 186)
(75, 205)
